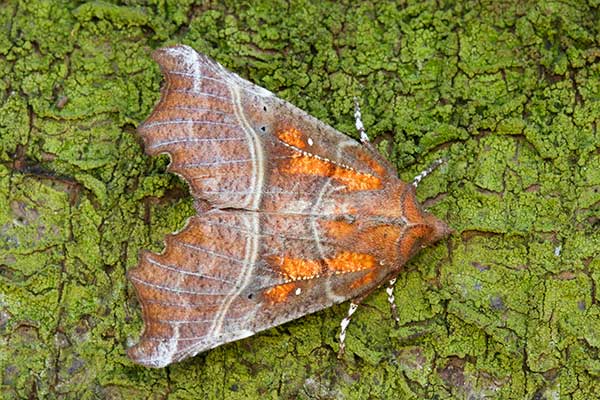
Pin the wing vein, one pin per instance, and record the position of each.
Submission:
(196, 76)
(179, 271)
(212, 253)
(199, 93)
(269, 234)
(220, 162)
(186, 121)
(175, 290)
(194, 140)
(198, 109)
(214, 163)
(196, 321)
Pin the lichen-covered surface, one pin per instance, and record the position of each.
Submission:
(509, 93)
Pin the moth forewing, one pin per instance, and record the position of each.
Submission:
(301, 216)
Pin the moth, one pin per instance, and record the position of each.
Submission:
(293, 216)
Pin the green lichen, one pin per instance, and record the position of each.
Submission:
(507, 92)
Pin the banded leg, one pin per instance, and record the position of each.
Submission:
(344, 325)
(427, 171)
(392, 300)
(359, 125)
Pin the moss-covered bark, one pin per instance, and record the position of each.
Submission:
(509, 93)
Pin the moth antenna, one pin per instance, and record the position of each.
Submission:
(392, 300)
(427, 171)
(344, 325)
(364, 139)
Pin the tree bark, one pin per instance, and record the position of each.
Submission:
(508, 93)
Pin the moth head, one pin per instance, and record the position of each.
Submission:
(439, 229)
(432, 228)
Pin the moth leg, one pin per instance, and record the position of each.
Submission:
(427, 171)
(392, 300)
(344, 325)
(364, 138)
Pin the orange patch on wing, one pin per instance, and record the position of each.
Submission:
(373, 164)
(296, 268)
(339, 229)
(279, 293)
(353, 180)
(293, 137)
(302, 269)
(367, 278)
(350, 262)
(411, 237)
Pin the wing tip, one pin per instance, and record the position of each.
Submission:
(153, 354)
(183, 56)
(178, 52)
(147, 352)
(173, 61)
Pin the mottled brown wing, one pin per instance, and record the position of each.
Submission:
(303, 216)
(230, 274)
(239, 146)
